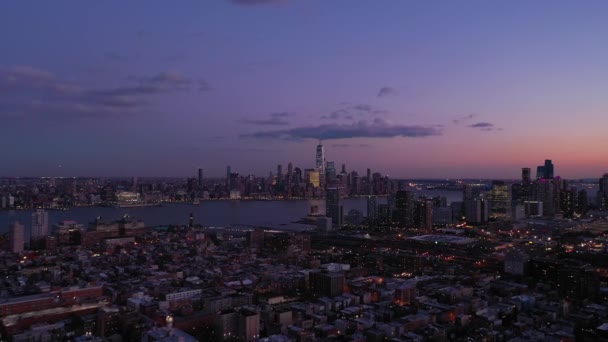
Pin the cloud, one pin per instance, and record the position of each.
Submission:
(363, 107)
(256, 2)
(274, 119)
(386, 91)
(485, 126)
(482, 125)
(26, 91)
(378, 128)
(337, 114)
(463, 118)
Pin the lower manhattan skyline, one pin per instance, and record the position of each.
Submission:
(457, 90)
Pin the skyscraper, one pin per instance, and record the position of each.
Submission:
(40, 224)
(404, 208)
(602, 193)
(548, 169)
(320, 164)
(228, 173)
(332, 206)
(320, 158)
(372, 208)
(200, 178)
(501, 200)
(279, 172)
(289, 171)
(525, 175)
(16, 234)
(540, 172)
(369, 182)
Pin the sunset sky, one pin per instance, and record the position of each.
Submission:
(423, 89)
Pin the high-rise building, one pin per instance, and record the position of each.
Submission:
(540, 172)
(330, 172)
(582, 202)
(372, 208)
(404, 208)
(228, 173)
(40, 224)
(200, 178)
(333, 209)
(320, 157)
(548, 169)
(134, 184)
(369, 182)
(477, 210)
(279, 172)
(16, 235)
(602, 194)
(312, 177)
(423, 214)
(289, 171)
(501, 200)
(526, 175)
(545, 193)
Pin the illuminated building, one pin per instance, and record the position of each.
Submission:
(312, 177)
(501, 200)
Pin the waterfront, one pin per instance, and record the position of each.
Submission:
(247, 213)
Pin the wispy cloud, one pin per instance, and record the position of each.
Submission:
(26, 91)
(485, 126)
(363, 129)
(274, 119)
(386, 91)
(463, 119)
(363, 107)
(482, 125)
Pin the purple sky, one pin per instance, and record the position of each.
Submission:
(426, 89)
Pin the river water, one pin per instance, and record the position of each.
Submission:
(279, 215)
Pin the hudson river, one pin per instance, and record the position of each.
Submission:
(279, 215)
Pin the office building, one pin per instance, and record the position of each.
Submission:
(333, 209)
(501, 200)
(526, 175)
(320, 164)
(372, 208)
(200, 179)
(602, 194)
(40, 224)
(423, 214)
(404, 208)
(533, 208)
(312, 177)
(548, 169)
(545, 193)
(16, 236)
(477, 210)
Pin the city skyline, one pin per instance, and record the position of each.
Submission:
(411, 90)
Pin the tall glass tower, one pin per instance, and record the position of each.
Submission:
(320, 164)
(320, 160)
